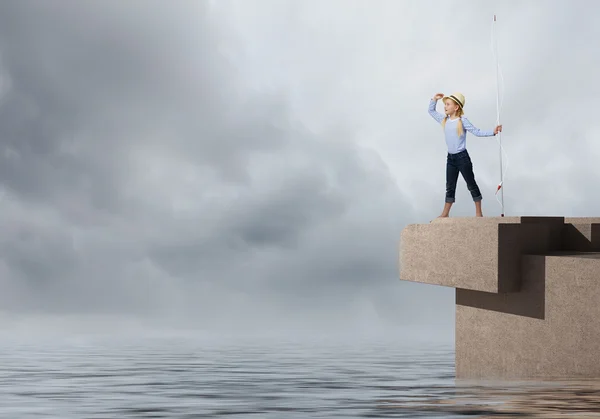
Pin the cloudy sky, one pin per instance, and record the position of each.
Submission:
(243, 165)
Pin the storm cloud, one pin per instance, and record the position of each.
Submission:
(244, 165)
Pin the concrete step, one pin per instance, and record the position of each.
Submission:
(483, 254)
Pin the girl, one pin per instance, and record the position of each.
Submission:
(458, 159)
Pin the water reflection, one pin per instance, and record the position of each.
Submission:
(190, 378)
(532, 399)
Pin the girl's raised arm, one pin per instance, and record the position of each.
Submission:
(435, 114)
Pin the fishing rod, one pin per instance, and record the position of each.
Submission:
(499, 76)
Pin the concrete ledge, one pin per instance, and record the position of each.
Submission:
(527, 292)
(481, 254)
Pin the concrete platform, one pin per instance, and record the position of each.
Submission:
(527, 292)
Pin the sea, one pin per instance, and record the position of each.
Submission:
(95, 377)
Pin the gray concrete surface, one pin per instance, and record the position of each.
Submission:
(527, 292)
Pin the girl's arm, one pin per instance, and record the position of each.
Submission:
(435, 114)
(475, 131)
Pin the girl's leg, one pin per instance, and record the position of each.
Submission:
(452, 172)
(446, 210)
(466, 169)
(478, 212)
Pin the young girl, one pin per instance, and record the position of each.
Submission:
(458, 159)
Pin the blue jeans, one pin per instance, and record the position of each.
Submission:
(460, 163)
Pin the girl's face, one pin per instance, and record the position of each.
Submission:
(450, 107)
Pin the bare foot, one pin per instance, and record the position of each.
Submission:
(479, 215)
(443, 216)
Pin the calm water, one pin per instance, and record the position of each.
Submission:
(185, 378)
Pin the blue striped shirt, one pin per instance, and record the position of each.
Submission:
(455, 143)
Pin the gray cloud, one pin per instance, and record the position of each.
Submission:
(241, 165)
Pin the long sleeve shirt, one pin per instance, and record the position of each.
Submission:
(456, 143)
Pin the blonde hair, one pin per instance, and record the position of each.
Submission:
(459, 125)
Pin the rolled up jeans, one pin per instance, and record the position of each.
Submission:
(460, 163)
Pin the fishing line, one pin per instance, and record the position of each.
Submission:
(499, 100)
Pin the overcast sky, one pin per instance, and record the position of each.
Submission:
(239, 165)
